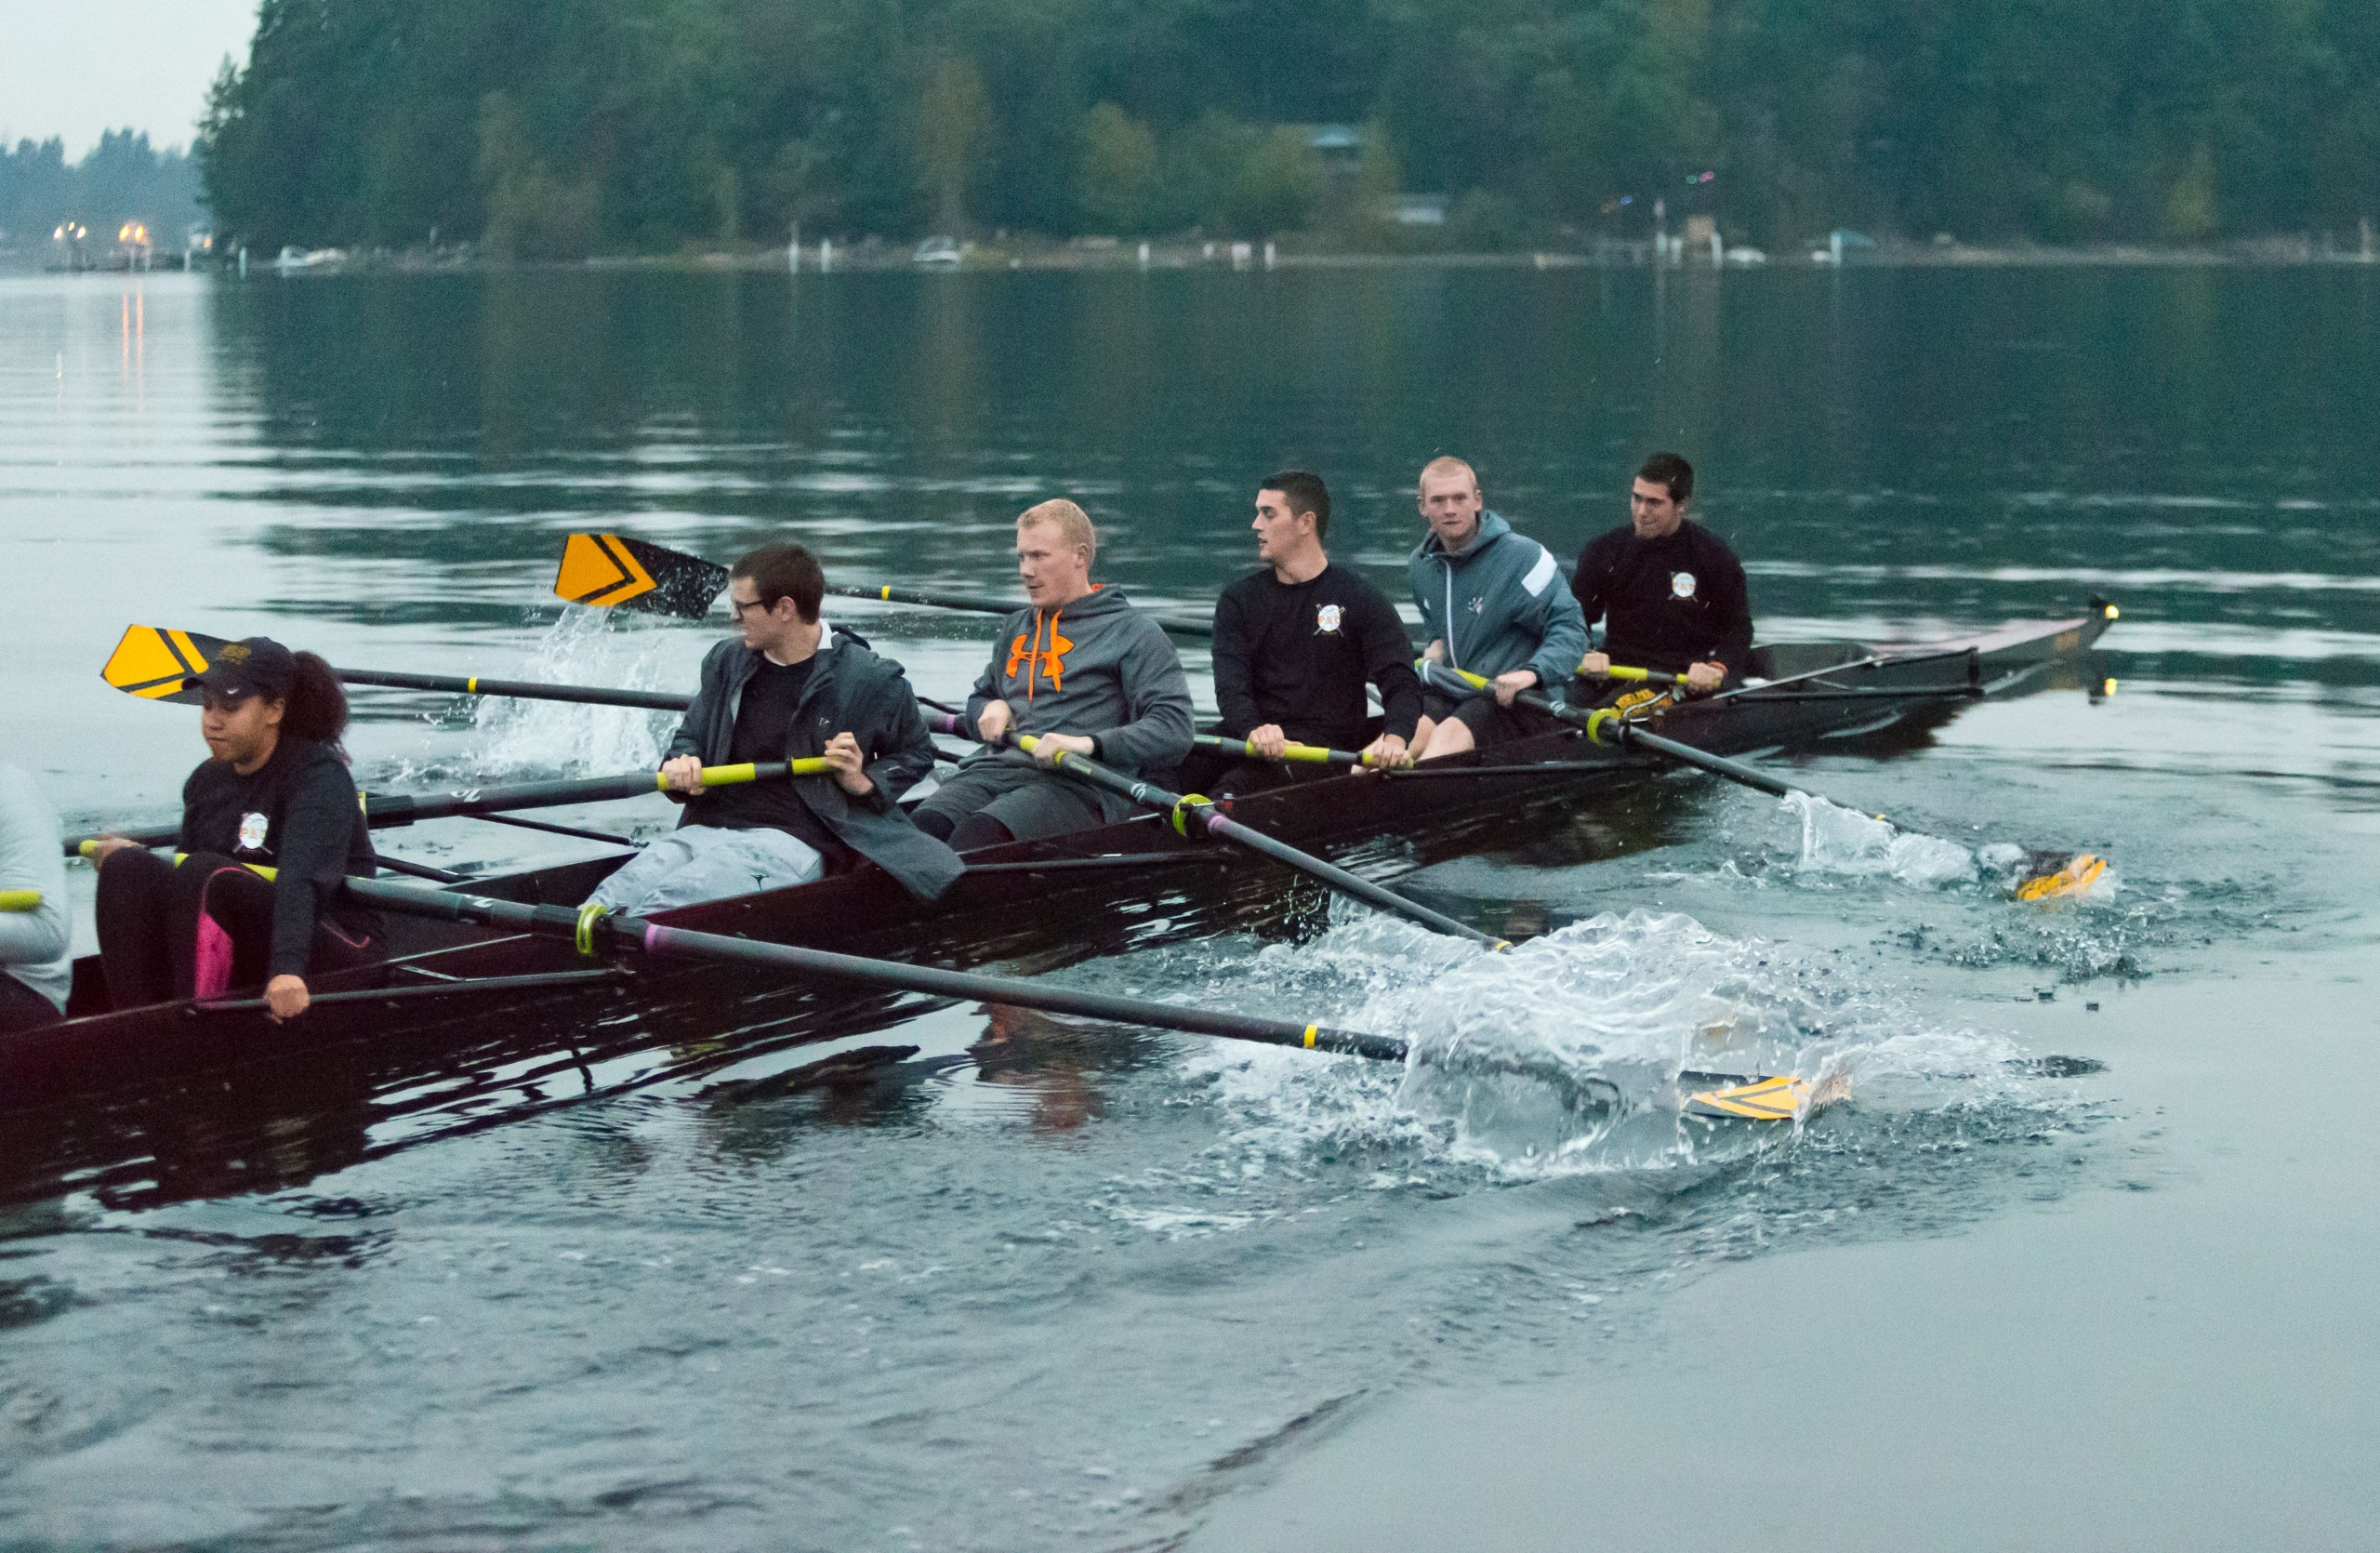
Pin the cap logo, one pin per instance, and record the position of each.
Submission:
(233, 652)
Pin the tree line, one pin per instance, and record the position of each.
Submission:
(123, 179)
(560, 127)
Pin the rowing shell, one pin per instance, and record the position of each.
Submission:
(1032, 904)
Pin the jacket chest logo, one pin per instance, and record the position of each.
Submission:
(1682, 584)
(1326, 621)
(1478, 605)
(1030, 657)
(253, 826)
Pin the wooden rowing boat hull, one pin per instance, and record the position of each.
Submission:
(1053, 901)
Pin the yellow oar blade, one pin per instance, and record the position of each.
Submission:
(20, 900)
(151, 662)
(1774, 1099)
(606, 571)
(2075, 879)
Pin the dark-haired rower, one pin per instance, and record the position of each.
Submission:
(1670, 592)
(789, 686)
(276, 793)
(1296, 643)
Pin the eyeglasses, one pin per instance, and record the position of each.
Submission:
(736, 608)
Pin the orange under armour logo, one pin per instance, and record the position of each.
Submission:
(1037, 660)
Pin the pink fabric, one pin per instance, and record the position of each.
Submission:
(213, 965)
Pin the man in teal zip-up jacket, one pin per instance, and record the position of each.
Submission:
(1492, 603)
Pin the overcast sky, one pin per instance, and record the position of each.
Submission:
(76, 67)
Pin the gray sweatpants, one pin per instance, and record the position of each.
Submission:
(1030, 800)
(701, 862)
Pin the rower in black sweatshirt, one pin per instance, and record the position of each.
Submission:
(1297, 641)
(1671, 593)
(276, 795)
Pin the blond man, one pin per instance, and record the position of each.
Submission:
(1079, 666)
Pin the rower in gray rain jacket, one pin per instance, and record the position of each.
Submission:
(1499, 604)
(850, 689)
(1097, 668)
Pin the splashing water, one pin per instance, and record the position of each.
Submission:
(515, 736)
(1565, 1055)
(1840, 841)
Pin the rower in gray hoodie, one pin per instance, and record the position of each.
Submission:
(1082, 668)
(1492, 603)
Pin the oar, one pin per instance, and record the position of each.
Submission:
(383, 810)
(1196, 814)
(1743, 1098)
(1308, 754)
(1607, 726)
(611, 571)
(20, 900)
(593, 929)
(152, 661)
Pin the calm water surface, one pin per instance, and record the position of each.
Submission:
(1056, 1285)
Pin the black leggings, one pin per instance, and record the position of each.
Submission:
(162, 929)
(22, 1008)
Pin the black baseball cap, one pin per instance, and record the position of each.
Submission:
(252, 666)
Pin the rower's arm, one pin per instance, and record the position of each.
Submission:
(1731, 608)
(1388, 663)
(1235, 684)
(1158, 697)
(1564, 641)
(905, 752)
(310, 861)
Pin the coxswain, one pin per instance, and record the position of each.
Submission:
(1297, 641)
(789, 686)
(1081, 669)
(34, 971)
(1493, 604)
(276, 795)
(1670, 593)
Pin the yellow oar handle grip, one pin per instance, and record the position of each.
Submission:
(1312, 754)
(20, 900)
(1622, 672)
(731, 775)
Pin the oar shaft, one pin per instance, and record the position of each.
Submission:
(656, 939)
(382, 811)
(526, 690)
(1309, 754)
(1606, 727)
(20, 900)
(1180, 625)
(1203, 815)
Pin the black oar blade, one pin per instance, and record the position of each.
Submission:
(608, 571)
(152, 661)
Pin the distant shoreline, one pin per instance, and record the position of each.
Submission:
(879, 256)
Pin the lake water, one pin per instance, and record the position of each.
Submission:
(1062, 1286)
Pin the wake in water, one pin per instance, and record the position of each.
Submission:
(1844, 842)
(1572, 1052)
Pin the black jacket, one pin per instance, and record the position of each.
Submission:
(853, 691)
(296, 814)
(1669, 603)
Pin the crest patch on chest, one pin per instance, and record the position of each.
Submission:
(1326, 619)
(1682, 584)
(253, 826)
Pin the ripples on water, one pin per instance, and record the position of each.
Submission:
(1051, 1283)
